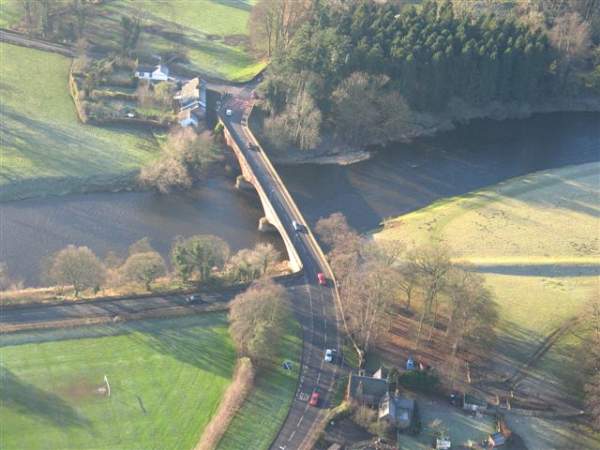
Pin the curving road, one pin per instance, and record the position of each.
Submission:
(314, 304)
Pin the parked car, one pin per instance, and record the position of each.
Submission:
(228, 112)
(194, 298)
(314, 399)
(322, 279)
(330, 354)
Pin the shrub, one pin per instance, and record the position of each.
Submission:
(421, 381)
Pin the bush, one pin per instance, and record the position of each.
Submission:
(421, 381)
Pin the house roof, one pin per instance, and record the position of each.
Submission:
(367, 386)
(498, 438)
(161, 68)
(145, 68)
(473, 400)
(191, 89)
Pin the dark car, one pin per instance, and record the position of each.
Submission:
(253, 147)
(194, 298)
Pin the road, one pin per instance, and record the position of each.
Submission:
(314, 304)
(103, 308)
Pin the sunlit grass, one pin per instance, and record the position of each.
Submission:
(166, 378)
(45, 149)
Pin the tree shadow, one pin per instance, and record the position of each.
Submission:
(197, 343)
(28, 399)
(541, 270)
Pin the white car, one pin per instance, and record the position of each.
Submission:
(329, 355)
(297, 226)
(228, 112)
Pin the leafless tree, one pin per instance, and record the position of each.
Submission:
(272, 23)
(78, 267)
(384, 114)
(144, 268)
(257, 320)
(431, 263)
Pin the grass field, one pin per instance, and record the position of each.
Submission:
(45, 150)
(536, 239)
(257, 423)
(166, 379)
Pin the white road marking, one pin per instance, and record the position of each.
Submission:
(300, 421)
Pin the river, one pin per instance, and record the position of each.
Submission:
(399, 179)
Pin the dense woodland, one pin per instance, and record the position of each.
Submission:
(391, 61)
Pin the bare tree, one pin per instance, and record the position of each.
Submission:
(384, 114)
(571, 36)
(140, 246)
(257, 320)
(333, 230)
(272, 23)
(431, 263)
(78, 267)
(144, 268)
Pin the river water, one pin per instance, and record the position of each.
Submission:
(399, 179)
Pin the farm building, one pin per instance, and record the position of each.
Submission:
(397, 410)
(189, 117)
(192, 94)
(496, 440)
(152, 73)
(473, 403)
(366, 390)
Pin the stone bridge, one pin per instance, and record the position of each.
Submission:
(248, 179)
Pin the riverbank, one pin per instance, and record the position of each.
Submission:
(333, 151)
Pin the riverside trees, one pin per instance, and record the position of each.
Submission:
(426, 59)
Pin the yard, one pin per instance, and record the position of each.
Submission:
(166, 379)
(258, 422)
(535, 239)
(45, 149)
(460, 427)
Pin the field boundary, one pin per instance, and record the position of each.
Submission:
(161, 313)
(168, 293)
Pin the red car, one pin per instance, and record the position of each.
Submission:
(322, 279)
(314, 399)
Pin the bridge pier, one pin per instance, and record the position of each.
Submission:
(243, 184)
(265, 226)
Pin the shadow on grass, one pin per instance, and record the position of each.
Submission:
(238, 4)
(541, 270)
(27, 399)
(197, 344)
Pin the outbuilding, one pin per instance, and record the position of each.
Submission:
(152, 73)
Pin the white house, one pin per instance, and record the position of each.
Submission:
(152, 73)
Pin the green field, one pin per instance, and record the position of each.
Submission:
(45, 150)
(166, 378)
(260, 418)
(212, 33)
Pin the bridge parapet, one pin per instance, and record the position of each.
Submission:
(271, 216)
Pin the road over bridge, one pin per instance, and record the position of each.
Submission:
(314, 305)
